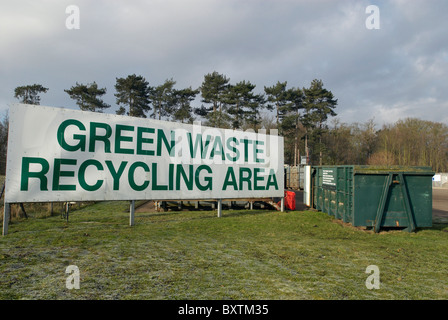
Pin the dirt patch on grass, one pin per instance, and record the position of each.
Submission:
(148, 206)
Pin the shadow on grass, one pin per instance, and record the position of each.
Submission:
(437, 226)
(189, 215)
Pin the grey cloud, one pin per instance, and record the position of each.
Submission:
(390, 73)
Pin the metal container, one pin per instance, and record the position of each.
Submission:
(375, 196)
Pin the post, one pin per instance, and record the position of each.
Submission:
(67, 210)
(307, 186)
(282, 204)
(219, 208)
(6, 214)
(131, 213)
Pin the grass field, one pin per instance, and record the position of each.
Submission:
(257, 254)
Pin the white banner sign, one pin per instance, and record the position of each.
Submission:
(59, 154)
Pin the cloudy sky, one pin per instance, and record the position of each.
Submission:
(399, 70)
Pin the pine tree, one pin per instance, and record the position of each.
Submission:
(133, 92)
(319, 104)
(244, 106)
(289, 125)
(254, 108)
(278, 98)
(238, 99)
(163, 99)
(87, 97)
(29, 94)
(183, 110)
(213, 91)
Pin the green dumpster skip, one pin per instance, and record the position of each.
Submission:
(375, 196)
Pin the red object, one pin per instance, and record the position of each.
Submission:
(290, 200)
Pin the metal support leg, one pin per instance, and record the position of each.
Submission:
(219, 208)
(382, 205)
(67, 210)
(407, 204)
(282, 205)
(131, 213)
(6, 214)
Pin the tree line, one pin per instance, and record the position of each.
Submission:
(300, 115)
(407, 142)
